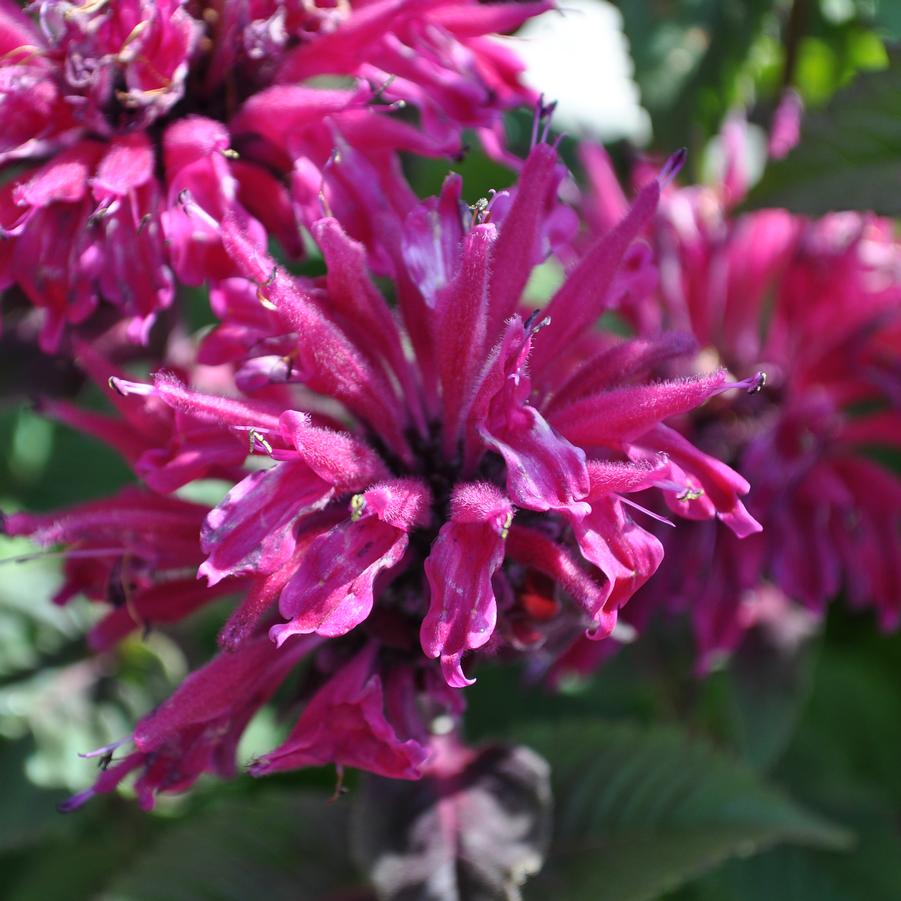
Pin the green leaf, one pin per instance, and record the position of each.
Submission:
(639, 812)
(888, 19)
(273, 845)
(769, 683)
(849, 156)
(689, 61)
(873, 872)
(27, 814)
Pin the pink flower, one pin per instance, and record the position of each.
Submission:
(344, 723)
(470, 493)
(136, 552)
(140, 125)
(197, 730)
(816, 305)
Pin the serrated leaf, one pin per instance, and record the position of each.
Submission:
(640, 811)
(873, 873)
(849, 155)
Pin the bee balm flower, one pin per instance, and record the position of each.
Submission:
(470, 494)
(131, 128)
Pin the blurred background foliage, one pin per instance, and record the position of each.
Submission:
(777, 776)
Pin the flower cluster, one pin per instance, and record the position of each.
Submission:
(131, 128)
(817, 305)
(414, 487)
(422, 471)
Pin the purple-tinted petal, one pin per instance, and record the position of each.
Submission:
(332, 590)
(345, 724)
(517, 243)
(626, 554)
(586, 293)
(615, 417)
(544, 470)
(251, 530)
(468, 551)
(460, 320)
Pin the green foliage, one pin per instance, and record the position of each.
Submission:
(640, 811)
(849, 156)
(843, 758)
(693, 61)
(268, 844)
(66, 701)
(768, 688)
(283, 847)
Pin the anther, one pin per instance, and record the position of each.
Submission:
(378, 91)
(672, 166)
(257, 438)
(758, 383)
(357, 505)
(532, 325)
(478, 210)
(124, 387)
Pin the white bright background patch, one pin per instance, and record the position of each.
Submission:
(579, 57)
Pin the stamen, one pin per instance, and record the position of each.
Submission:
(28, 51)
(340, 787)
(261, 296)
(106, 750)
(532, 326)
(548, 117)
(124, 387)
(651, 513)
(378, 92)
(672, 166)
(104, 208)
(478, 210)
(264, 300)
(357, 505)
(753, 385)
(683, 492)
(190, 208)
(257, 438)
(543, 115)
(86, 553)
(758, 383)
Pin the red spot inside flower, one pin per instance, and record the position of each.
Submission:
(537, 597)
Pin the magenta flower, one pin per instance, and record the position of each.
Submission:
(816, 304)
(461, 487)
(132, 128)
(136, 552)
